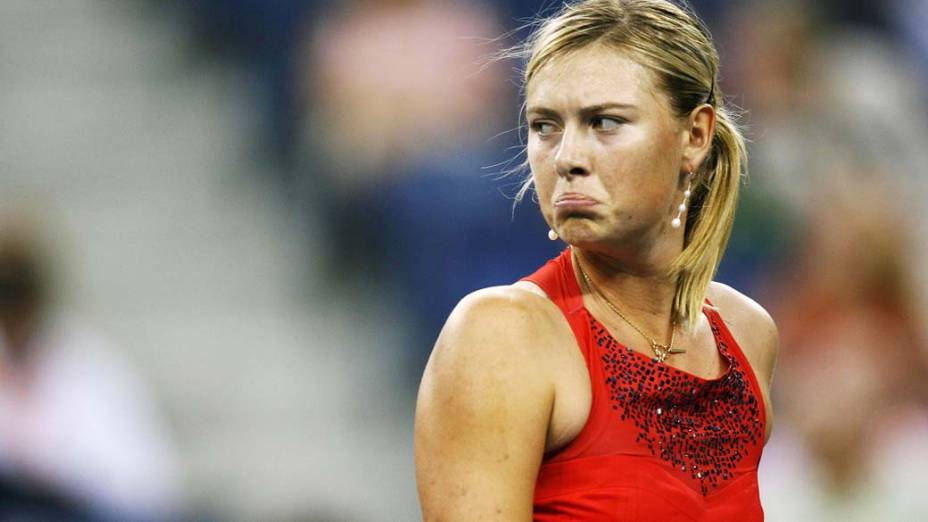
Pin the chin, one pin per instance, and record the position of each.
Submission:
(579, 232)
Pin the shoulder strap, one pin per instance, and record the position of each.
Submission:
(731, 345)
(558, 281)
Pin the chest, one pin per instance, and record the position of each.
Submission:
(683, 391)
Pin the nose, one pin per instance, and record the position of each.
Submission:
(572, 157)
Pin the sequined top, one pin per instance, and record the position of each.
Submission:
(660, 444)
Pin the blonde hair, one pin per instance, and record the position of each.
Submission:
(676, 47)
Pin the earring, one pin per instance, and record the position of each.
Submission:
(552, 235)
(682, 208)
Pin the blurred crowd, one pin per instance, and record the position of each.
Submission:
(829, 241)
(80, 438)
(389, 123)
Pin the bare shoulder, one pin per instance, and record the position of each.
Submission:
(735, 305)
(499, 324)
(484, 407)
(518, 310)
(751, 325)
(502, 334)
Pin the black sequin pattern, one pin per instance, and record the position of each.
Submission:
(703, 428)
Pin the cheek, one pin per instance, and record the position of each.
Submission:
(542, 170)
(544, 180)
(654, 160)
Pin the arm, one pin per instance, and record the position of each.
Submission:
(483, 410)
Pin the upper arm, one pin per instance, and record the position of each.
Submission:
(483, 410)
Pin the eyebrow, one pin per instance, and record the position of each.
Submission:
(591, 109)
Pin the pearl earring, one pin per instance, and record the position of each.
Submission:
(552, 235)
(682, 208)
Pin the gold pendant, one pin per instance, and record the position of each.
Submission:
(661, 352)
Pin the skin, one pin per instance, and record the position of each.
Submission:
(506, 382)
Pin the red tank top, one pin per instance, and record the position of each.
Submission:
(660, 444)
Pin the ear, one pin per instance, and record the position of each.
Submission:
(698, 131)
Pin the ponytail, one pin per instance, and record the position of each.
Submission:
(709, 223)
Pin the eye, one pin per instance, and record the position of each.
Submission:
(607, 123)
(543, 128)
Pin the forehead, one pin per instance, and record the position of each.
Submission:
(592, 75)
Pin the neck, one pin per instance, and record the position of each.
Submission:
(643, 292)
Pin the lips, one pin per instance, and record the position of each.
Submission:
(573, 200)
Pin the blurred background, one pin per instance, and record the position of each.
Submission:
(231, 230)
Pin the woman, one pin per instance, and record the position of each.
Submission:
(607, 385)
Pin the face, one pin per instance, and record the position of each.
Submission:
(609, 158)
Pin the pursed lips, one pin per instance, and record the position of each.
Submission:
(574, 200)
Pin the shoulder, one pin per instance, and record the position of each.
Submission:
(735, 305)
(521, 310)
(499, 323)
(498, 340)
(751, 325)
(484, 407)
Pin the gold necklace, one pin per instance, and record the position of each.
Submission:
(661, 351)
